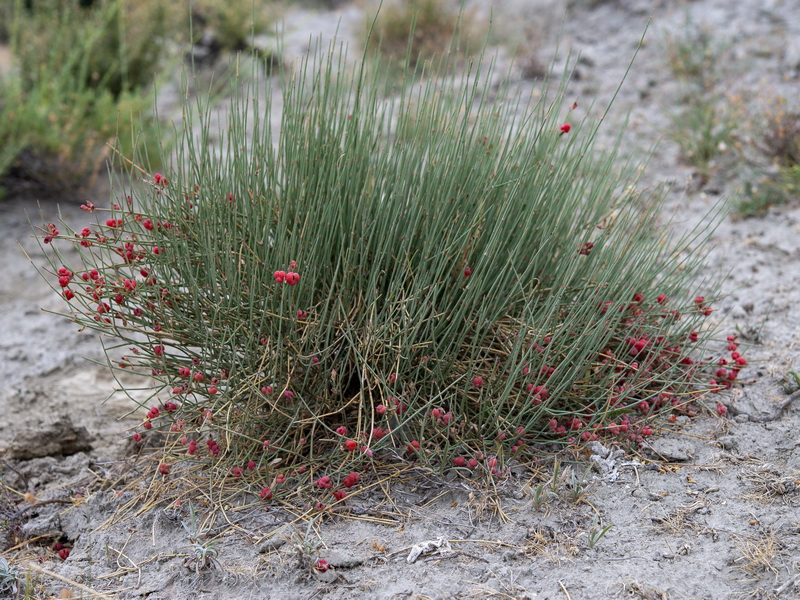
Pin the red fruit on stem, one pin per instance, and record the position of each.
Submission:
(321, 565)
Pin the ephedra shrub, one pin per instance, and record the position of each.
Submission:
(430, 276)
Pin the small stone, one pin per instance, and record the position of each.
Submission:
(671, 450)
(59, 438)
(277, 539)
(343, 560)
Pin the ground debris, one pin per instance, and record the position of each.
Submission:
(439, 545)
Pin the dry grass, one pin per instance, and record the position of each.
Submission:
(759, 553)
(438, 29)
(635, 590)
(768, 482)
(781, 132)
(680, 520)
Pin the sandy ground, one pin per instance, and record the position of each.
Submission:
(715, 518)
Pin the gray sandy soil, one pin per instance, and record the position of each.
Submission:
(715, 517)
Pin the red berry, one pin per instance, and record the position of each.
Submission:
(413, 446)
(280, 276)
(477, 381)
(321, 565)
(63, 553)
(137, 437)
(164, 468)
(565, 128)
(459, 461)
(721, 409)
(266, 493)
(467, 271)
(341, 430)
(662, 299)
(324, 482)
(351, 445)
(212, 390)
(340, 494)
(292, 278)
